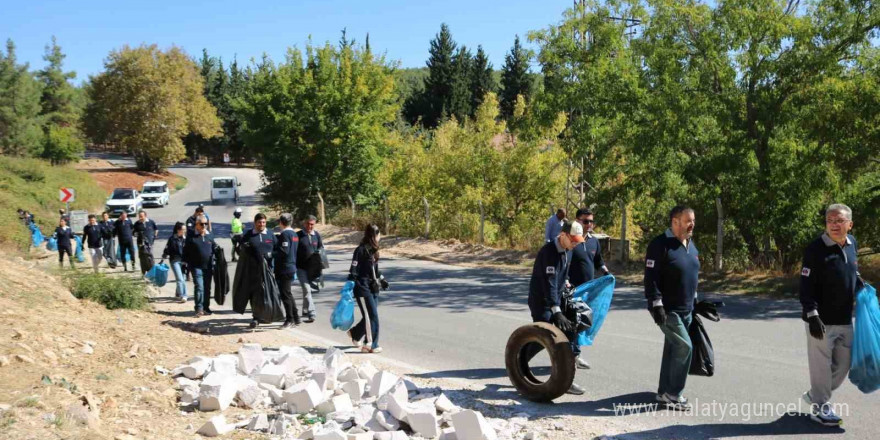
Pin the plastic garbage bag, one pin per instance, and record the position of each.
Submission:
(158, 274)
(343, 314)
(254, 282)
(221, 276)
(78, 254)
(703, 359)
(865, 370)
(52, 244)
(597, 294)
(37, 237)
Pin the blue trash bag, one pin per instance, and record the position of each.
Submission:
(36, 236)
(343, 314)
(158, 274)
(865, 370)
(119, 254)
(597, 294)
(52, 244)
(78, 254)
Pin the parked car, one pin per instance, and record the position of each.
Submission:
(224, 189)
(155, 193)
(124, 199)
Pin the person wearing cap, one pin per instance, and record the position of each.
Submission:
(548, 282)
(672, 268)
(828, 285)
(237, 229)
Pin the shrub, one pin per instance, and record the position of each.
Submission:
(112, 292)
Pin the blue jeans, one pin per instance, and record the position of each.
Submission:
(369, 305)
(202, 284)
(677, 353)
(176, 266)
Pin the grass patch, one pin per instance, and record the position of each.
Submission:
(180, 183)
(32, 185)
(29, 402)
(112, 292)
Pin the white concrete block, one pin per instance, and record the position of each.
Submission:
(194, 368)
(399, 392)
(391, 435)
(275, 394)
(279, 427)
(423, 422)
(448, 434)
(387, 420)
(183, 382)
(216, 426)
(250, 358)
(189, 394)
(355, 389)
(470, 425)
(330, 434)
(226, 364)
(216, 392)
(396, 408)
(249, 396)
(366, 371)
(348, 375)
(272, 374)
(381, 383)
(443, 404)
(359, 436)
(304, 397)
(259, 422)
(342, 403)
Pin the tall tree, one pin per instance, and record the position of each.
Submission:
(459, 104)
(57, 100)
(515, 78)
(431, 105)
(20, 122)
(146, 100)
(481, 81)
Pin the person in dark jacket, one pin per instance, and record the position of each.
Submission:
(123, 230)
(368, 279)
(63, 234)
(108, 244)
(585, 261)
(198, 252)
(174, 252)
(285, 268)
(548, 282)
(260, 241)
(306, 258)
(828, 286)
(146, 231)
(93, 235)
(672, 267)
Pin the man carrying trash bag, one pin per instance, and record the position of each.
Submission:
(285, 268)
(254, 279)
(828, 285)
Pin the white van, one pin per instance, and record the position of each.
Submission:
(224, 188)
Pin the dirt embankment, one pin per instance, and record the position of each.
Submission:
(109, 176)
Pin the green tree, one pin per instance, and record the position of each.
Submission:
(460, 94)
(515, 78)
(431, 106)
(62, 144)
(481, 80)
(146, 100)
(59, 96)
(20, 121)
(321, 122)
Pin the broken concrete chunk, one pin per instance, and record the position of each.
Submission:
(367, 371)
(216, 426)
(189, 394)
(348, 375)
(304, 397)
(259, 422)
(250, 358)
(225, 364)
(216, 392)
(382, 383)
(330, 434)
(443, 404)
(195, 368)
(355, 389)
(448, 434)
(396, 408)
(275, 394)
(249, 395)
(359, 436)
(183, 382)
(392, 435)
(272, 374)
(387, 421)
(423, 422)
(470, 425)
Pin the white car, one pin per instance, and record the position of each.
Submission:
(155, 193)
(126, 200)
(224, 188)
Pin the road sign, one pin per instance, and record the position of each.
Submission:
(78, 221)
(67, 194)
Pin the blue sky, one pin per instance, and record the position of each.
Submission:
(88, 30)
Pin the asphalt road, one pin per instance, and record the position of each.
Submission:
(454, 322)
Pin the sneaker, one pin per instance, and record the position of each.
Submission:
(253, 324)
(366, 349)
(674, 402)
(310, 319)
(576, 390)
(582, 363)
(824, 415)
(296, 322)
(354, 342)
(199, 313)
(209, 312)
(287, 324)
(181, 299)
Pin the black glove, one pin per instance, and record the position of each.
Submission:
(817, 327)
(562, 322)
(384, 284)
(659, 315)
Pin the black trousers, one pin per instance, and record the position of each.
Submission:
(127, 247)
(285, 284)
(61, 252)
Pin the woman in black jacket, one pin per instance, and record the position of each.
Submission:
(63, 234)
(367, 283)
(174, 252)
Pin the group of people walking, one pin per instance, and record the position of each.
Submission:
(829, 281)
(100, 238)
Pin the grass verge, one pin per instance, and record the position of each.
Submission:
(112, 292)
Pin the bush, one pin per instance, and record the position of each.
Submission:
(62, 145)
(112, 292)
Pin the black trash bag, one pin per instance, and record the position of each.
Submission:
(255, 283)
(703, 359)
(221, 275)
(145, 256)
(314, 266)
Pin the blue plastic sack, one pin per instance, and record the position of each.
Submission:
(865, 370)
(343, 314)
(36, 236)
(78, 254)
(119, 254)
(158, 274)
(597, 294)
(52, 244)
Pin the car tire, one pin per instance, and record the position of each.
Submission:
(562, 366)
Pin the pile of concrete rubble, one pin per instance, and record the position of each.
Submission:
(298, 395)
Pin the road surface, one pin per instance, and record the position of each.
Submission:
(453, 322)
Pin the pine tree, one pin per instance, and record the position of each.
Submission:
(459, 104)
(430, 106)
(515, 78)
(57, 100)
(481, 81)
(20, 121)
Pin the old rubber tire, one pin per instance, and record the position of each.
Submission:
(562, 368)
